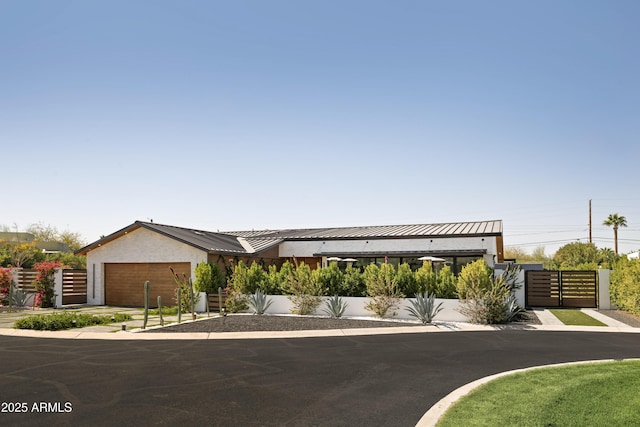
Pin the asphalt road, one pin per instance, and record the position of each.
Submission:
(385, 380)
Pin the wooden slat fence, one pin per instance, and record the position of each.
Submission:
(217, 302)
(74, 286)
(24, 279)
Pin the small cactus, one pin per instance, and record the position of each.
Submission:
(160, 310)
(147, 285)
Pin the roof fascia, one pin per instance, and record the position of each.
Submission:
(107, 239)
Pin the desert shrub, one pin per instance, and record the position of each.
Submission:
(303, 290)
(239, 280)
(237, 286)
(382, 288)
(189, 297)
(257, 278)
(625, 285)
(68, 259)
(353, 283)
(425, 279)
(277, 278)
(45, 283)
(477, 275)
(209, 277)
(330, 279)
(407, 283)
(5, 283)
(491, 304)
(274, 280)
(65, 320)
(236, 301)
(446, 286)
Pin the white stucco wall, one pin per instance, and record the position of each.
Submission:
(604, 284)
(281, 304)
(309, 248)
(140, 245)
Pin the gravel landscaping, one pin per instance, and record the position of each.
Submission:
(253, 323)
(623, 316)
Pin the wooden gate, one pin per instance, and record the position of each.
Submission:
(561, 289)
(74, 286)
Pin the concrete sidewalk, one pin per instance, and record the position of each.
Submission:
(115, 332)
(132, 328)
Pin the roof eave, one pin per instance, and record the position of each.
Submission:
(113, 236)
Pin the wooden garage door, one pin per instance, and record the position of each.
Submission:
(124, 283)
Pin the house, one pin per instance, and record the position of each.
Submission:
(18, 238)
(120, 263)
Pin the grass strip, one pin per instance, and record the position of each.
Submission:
(166, 311)
(595, 394)
(575, 317)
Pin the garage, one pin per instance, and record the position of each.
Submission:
(124, 282)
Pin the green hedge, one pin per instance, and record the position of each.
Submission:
(625, 285)
(64, 320)
(332, 281)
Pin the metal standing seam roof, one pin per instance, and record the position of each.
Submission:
(249, 242)
(382, 231)
(206, 240)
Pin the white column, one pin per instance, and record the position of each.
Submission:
(57, 276)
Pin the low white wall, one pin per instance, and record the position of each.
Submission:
(201, 305)
(355, 308)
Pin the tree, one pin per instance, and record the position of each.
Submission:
(616, 221)
(576, 256)
(607, 258)
(49, 233)
(522, 256)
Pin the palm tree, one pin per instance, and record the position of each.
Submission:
(616, 221)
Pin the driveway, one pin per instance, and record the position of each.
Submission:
(384, 380)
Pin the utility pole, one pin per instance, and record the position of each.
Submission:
(590, 223)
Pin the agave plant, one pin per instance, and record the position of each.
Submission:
(335, 307)
(424, 307)
(513, 310)
(259, 302)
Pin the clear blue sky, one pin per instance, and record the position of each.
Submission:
(274, 114)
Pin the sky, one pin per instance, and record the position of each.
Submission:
(268, 114)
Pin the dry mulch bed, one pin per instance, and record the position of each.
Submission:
(253, 323)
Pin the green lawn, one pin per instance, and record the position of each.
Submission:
(575, 317)
(595, 394)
